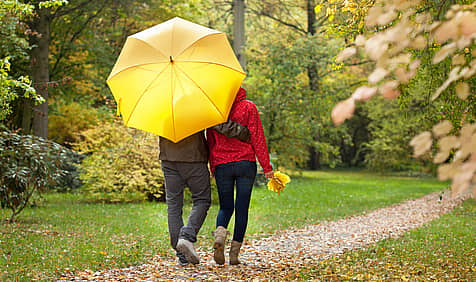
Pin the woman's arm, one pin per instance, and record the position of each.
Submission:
(257, 139)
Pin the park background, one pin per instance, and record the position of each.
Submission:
(62, 52)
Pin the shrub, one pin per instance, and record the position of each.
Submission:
(28, 165)
(69, 119)
(69, 179)
(122, 164)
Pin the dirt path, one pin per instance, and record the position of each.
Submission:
(269, 258)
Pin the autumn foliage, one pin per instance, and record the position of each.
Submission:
(400, 28)
(122, 164)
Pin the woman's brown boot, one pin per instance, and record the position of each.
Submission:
(234, 252)
(219, 244)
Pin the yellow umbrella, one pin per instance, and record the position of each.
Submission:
(175, 79)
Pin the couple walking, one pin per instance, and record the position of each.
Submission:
(232, 149)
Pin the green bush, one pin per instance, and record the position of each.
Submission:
(28, 165)
(69, 180)
(69, 119)
(122, 164)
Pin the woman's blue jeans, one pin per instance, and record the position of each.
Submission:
(241, 173)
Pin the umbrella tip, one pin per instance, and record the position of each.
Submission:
(171, 60)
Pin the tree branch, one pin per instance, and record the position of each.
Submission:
(262, 13)
(63, 10)
(76, 34)
(347, 65)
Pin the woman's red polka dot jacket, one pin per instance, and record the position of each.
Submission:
(225, 150)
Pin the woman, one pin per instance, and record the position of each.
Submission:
(234, 162)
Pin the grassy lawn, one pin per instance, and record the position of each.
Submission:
(65, 233)
(443, 250)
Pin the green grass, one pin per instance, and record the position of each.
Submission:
(67, 234)
(442, 250)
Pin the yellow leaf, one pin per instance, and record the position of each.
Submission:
(458, 59)
(318, 8)
(342, 111)
(447, 171)
(442, 128)
(377, 75)
(278, 182)
(448, 142)
(421, 143)
(462, 90)
(389, 89)
(441, 157)
(360, 40)
(446, 31)
(462, 24)
(461, 181)
(444, 52)
(372, 15)
(376, 46)
(419, 42)
(467, 24)
(386, 18)
(363, 93)
(345, 54)
(402, 75)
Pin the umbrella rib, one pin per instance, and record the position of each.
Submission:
(172, 87)
(212, 63)
(134, 66)
(204, 93)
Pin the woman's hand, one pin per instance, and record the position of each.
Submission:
(269, 174)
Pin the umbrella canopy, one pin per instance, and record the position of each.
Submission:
(175, 79)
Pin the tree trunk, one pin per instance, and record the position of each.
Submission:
(26, 118)
(314, 156)
(40, 71)
(239, 31)
(313, 76)
(311, 16)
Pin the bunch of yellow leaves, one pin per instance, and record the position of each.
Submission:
(278, 182)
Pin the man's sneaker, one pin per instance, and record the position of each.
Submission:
(182, 260)
(186, 248)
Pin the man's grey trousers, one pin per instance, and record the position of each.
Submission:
(196, 177)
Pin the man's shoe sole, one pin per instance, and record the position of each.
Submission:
(189, 254)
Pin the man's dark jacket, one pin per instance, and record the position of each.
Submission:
(194, 148)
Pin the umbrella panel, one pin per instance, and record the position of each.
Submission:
(128, 86)
(136, 53)
(174, 36)
(213, 48)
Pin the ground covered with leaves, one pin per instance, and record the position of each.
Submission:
(353, 248)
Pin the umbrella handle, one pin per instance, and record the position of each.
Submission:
(118, 110)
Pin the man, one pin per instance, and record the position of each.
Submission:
(185, 164)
